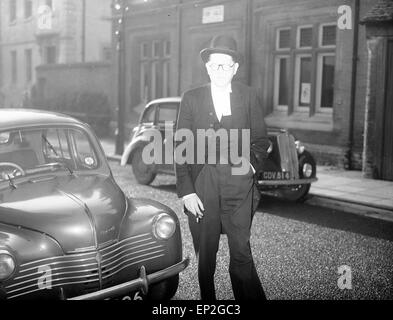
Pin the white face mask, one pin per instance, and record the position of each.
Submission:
(221, 69)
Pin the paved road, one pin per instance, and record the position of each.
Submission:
(297, 248)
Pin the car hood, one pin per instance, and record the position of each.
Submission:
(80, 212)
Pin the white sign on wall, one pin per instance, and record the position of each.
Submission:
(213, 14)
(44, 18)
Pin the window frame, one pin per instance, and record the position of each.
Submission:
(297, 108)
(276, 87)
(165, 105)
(318, 84)
(277, 42)
(29, 64)
(14, 66)
(13, 9)
(320, 35)
(25, 9)
(298, 29)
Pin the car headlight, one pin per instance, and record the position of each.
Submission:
(299, 147)
(164, 226)
(307, 170)
(7, 265)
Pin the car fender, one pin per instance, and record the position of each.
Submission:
(139, 219)
(132, 146)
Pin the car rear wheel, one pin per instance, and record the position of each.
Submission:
(163, 290)
(296, 193)
(144, 173)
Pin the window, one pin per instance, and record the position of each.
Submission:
(325, 82)
(28, 8)
(12, 4)
(50, 55)
(29, 65)
(145, 51)
(283, 39)
(167, 112)
(154, 69)
(327, 36)
(148, 115)
(281, 74)
(167, 48)
(304, 37)
(303, 81)
(49, 3)
(304, 69)
(14, 67)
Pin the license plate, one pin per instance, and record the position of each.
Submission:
(273, 175)
(138, 295)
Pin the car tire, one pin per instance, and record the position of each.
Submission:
(164, 290)
(295, 193)
(144, 173)
(298, 193)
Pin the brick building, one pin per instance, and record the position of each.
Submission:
(48, 32)
(307, 58)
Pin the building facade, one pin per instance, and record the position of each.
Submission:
(48, 32)
(307, 58)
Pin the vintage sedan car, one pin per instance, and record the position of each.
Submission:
(67, 230)
(288, 171)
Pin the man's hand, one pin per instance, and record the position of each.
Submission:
(194, 204)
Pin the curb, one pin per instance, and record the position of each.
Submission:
(351, 207)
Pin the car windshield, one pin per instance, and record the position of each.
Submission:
(25, 152)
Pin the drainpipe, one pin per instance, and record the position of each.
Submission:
(83, 53)
(248, 53)
(349, 165)
(179, 44)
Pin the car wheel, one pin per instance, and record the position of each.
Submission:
(144, 173)
(296, 193)
(163, 290)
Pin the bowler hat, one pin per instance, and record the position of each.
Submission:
(222, 44)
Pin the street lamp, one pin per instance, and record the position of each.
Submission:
(120, 9)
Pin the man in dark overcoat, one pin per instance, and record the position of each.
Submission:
(217, 198)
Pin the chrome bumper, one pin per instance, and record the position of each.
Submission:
(285, 182)
(142, 283)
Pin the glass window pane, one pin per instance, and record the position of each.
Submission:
(305, 81)
(167, 113)
(327, 90)
(283, 82)
(85, 156)
(305, 37)
(157, 49)
(284, 37)
(148, 116)
(329, 35)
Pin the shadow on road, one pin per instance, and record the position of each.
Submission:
(329, 218)
(324, 217)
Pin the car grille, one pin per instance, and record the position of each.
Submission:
(288, 154)
(83, 268)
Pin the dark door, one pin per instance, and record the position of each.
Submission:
(387, 153)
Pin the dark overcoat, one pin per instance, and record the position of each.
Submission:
(197, 112)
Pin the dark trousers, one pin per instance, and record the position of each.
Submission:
(227, 200)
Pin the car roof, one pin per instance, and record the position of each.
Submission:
(16, 118)
(164, 100)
